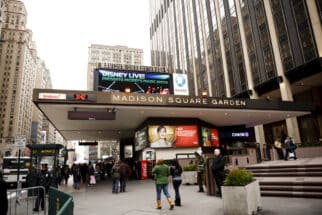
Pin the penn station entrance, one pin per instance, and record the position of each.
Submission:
(132, 121)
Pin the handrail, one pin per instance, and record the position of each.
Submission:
(65, 205)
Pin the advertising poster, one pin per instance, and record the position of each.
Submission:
(161, 136)
(180, 84)
(128, 151)
(141, 139)
(186, 136)
(110, 80)
(144, 169)
(210, 137)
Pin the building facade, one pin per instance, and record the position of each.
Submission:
(268, 49)
(21, 70)
(98, 55)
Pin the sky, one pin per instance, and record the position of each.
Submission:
(64, 29)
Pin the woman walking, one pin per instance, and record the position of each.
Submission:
(176, 172)
(161, 173)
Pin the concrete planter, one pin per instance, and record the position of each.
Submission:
(242, 200)
(189, 177)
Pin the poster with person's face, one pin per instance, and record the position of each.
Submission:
(186, 136)
(161, 136)
(210, 137)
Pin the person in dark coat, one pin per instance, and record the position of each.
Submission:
(289, 148)
(175, 172)
(124, 174)
(218, 169)
(3, 196)
(43, 179)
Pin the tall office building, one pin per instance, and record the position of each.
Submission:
(3, 4)
(21, 71)
(98, 55)
(246, 48)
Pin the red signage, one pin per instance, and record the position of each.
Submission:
(80, 96)
(144, 169)
(210, 137)
(186, 136)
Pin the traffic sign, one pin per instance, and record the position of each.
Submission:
(20, 141)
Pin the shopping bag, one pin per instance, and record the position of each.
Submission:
(92, 179)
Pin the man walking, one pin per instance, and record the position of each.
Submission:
(218, 167)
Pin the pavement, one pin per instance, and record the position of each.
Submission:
(139, 199)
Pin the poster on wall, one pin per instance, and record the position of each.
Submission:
(141, 139)
(210, 137)
(128, 151)
(186, 136)
(161, 136)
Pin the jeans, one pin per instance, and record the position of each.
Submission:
(176, 185)
(123, 183)
(116, 182)
(164, 188)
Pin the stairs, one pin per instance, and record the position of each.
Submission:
(303, 181)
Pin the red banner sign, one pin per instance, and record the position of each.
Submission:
(144, 169)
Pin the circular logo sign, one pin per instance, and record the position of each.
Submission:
(180, 81)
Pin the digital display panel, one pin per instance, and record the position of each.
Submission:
(210, 137)
(110, 80)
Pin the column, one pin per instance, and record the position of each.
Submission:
(222, 47)
(316, 24)
(285, 86)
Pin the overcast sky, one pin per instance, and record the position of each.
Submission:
(64, 29)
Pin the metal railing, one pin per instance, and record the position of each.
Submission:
(60, 203)
(23, 201)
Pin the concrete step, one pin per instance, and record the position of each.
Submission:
(288, 174)
(290, 183)
(283, 165)
(311, 169)
(292, 194)
(291, 188)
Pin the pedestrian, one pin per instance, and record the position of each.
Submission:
(115, 172)
(92, 179)
(218, 169)
(124, 174)
(65, 173)
(290, 148)
(200, 161)
(176, 172)
(3, 196)
(279, 148)
(44, 179)
(161, 173)
(77, 176)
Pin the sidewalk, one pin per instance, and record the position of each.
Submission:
(140, 200)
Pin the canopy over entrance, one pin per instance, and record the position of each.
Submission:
(93, 115)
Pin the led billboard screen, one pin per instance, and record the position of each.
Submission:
(164, 136)
(210, 137)
(161, 136)
(186, 136)
(111, 80)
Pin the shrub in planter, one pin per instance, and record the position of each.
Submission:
(238, 177)
(190, 167)
(241, 189)
(189, 174)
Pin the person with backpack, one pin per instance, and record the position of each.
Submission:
(176, 172)
(218, 169)
(124, 174)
